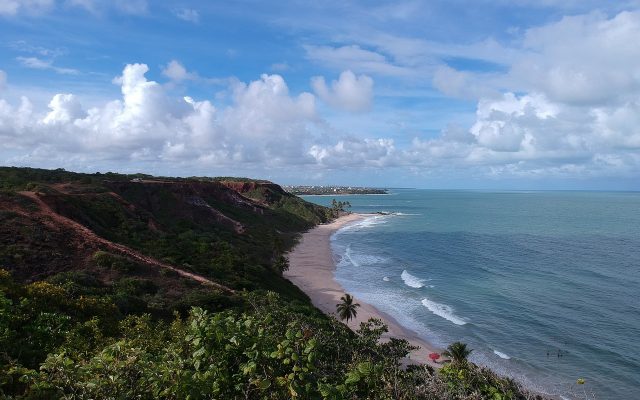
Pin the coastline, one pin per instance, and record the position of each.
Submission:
(312, 269)
(346, 194)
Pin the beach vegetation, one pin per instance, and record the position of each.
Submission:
(281, 264)
(458, 352)
(347, 309)
(338, 207)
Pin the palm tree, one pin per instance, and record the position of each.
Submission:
(458, 352)
(347, 309)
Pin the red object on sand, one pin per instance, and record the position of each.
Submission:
(434, 356)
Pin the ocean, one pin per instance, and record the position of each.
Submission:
(544, 286)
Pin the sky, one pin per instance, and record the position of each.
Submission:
(501, 94)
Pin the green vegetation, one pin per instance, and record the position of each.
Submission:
(102, 317)
(59, 345)
(347, 309)
(338, 207)
(458, 352)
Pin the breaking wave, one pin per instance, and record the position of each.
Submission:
(444, 311)
(501, 355)
(412, 281)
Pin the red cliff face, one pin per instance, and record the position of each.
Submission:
(263, 192)
(241, 187)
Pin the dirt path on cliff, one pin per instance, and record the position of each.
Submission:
(89, 236)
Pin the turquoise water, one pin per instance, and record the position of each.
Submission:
(519, 276)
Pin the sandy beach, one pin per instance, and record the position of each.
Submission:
(312, 269)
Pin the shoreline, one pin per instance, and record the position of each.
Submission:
(312, 268)
(346, 194)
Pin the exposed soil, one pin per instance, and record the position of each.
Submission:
(85, 238)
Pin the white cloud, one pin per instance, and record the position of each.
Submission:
(358, 153)
(262, 125)
(14, 7)
(350, 92)
(34, 62)
(188, 14)
(462, 84)
(37, 63)
(175, 71)
(585, 59)
(25, 47)
(65, 108)
(178, 73)
(578, 115)
(357, 58)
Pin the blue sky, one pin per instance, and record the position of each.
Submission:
(436, 94)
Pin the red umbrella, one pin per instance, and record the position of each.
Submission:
(434, 356)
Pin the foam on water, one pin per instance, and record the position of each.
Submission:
(347, 254)
(412, 281)
(444, 311)
(501, 355)
(368, 222)
(358, 259)
(386, 279)
(373, 221)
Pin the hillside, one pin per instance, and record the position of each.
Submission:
(132, 286)
(116, 226)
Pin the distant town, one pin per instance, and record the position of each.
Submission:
(333, 190)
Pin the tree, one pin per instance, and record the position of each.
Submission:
(339, 206)
(458, 352)
(347, 309)
(281, 264)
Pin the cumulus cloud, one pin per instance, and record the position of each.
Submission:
(350, 92)
(570, 127)
(65, 108)
(577, 114)
(263, 124)
(353, 152)
(178, 73)
(175, 71)
(586, 59)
